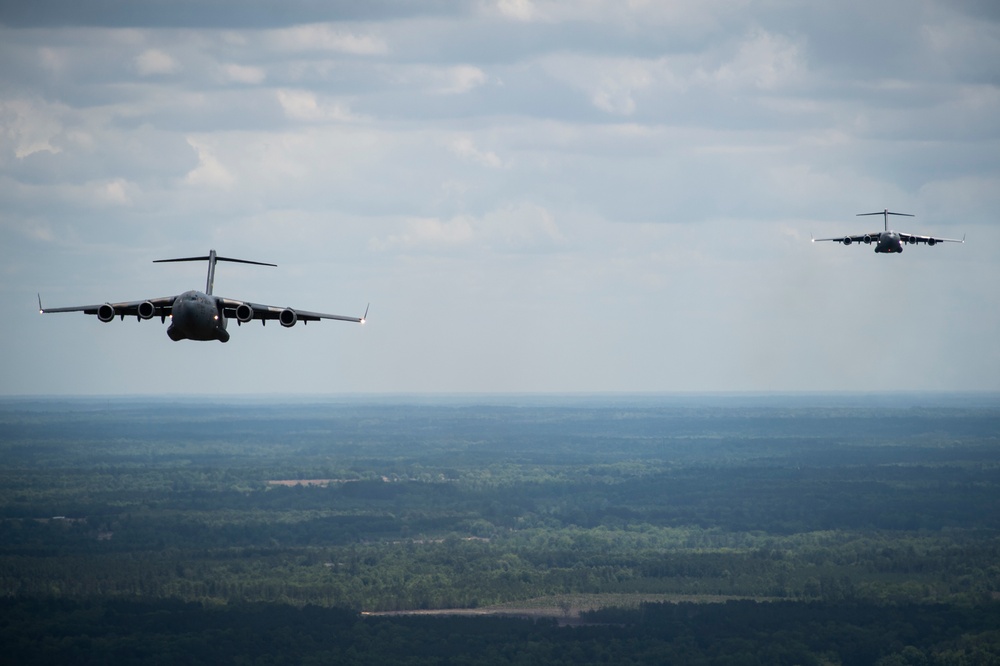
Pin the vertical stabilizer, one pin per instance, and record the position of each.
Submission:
(210, 285)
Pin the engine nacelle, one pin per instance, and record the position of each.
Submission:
(146, 310)
(244, 313)
(931, 241)
(288, 317)
(847, 241)
(868, 240)
(911, 240)
(106, 312)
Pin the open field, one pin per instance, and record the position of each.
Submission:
(565, 609)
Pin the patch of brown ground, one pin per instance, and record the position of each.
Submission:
(565, 609)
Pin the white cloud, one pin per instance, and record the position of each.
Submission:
(516, 228)
(613, 84)
(114, 192)
(523, 227)
(438, 80)
(38, 230)
(243, 74)
(460, 79)
(327, 37)
(520, 10)
(29, 126)
(465, 147)
(958, 42)
(618, 85)
(309, 107)
(765, 61)
(431, 232)
(209, 172)
(52, 58)
(154, 61)
(615, 92)
(637, 15)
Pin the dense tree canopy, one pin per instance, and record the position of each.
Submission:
(850, 503)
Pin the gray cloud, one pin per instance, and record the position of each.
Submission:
(534, 195)
(253, 14)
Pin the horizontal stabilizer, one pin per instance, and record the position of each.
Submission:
(885, 212)
(885, 216)
(212, 258)
(208, 258)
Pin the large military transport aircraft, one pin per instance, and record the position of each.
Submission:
(889, 241)
(197, 315)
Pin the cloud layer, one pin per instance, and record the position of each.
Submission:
(535, 196)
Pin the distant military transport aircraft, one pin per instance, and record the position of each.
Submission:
(889, 241)
(197, 315)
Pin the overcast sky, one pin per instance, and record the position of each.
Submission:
(534, 196)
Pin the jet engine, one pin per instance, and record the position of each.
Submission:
(106, 312)
(931, 241)
(847, 241)
(288, 317)
(868, 240)
(146, 310)
(911, 240)
(244, 313)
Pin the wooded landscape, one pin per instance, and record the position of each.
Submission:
(854, 529)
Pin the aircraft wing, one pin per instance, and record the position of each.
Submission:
(930, 240)
(244, 311)
(858, 238)
(151, 307)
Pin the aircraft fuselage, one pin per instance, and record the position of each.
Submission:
(888, 242)
(196, 315)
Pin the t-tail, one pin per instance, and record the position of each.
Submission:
(211, 259)
(885, 214)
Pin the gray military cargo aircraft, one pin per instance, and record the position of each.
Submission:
(197, 315)
(888, 241)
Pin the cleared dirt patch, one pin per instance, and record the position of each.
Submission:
(566, 609)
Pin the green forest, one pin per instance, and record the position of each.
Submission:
(840, 529)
